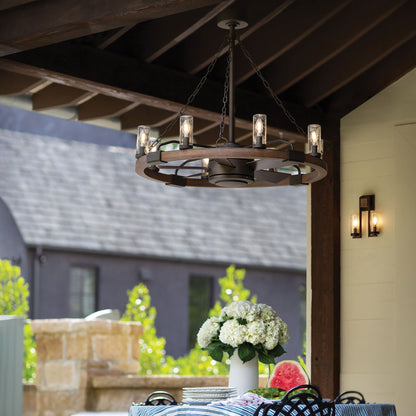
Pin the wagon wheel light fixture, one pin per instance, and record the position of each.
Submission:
(228, 164)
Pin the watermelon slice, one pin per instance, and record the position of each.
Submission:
(288, 374)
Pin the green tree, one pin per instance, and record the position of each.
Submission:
(152, 347)
(14, 294)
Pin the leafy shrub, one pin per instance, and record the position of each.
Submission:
(152, 347)
(14, 294)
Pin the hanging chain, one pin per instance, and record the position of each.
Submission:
(191, 98)
(266, 85)
(225, 99)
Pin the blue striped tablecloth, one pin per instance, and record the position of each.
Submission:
(340, 410)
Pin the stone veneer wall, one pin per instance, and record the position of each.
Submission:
(93, 366)
(73, 351)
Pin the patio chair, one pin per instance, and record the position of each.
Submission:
(350, 397)
(294, 403)
(160, 398)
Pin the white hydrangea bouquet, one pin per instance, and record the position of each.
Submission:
(248, 327)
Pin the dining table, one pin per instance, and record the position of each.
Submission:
(368, 409)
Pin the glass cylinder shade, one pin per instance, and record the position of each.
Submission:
(355, 225)
(142, 139)
(374, 222)
(186, 133)
(151, 145)
(259, 130)
(315, 142)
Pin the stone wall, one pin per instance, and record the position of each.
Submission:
(73, 351)
(93, 366)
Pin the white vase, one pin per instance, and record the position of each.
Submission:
(243, 376)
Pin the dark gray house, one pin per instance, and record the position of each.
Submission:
(85, 228)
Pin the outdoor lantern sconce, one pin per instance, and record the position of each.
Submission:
(367, 203)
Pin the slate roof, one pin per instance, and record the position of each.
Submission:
(82, 196)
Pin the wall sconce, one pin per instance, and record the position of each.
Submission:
(367, 203)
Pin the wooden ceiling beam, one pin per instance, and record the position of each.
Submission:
(387, 71)
(144, 114)
(356, 19)
(103, 106)
(201, 126)
(13, 84)
(210, 136)
(57, 95)
(153, 85)
(8, 4)
(46, 22)
(198, 51)
(304, 17)
(157, 42)
(389, 35)
(117, 34)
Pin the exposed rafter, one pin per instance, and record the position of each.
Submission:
(57, 95)
(307, 15)
(12, 83)
(150, 84)
(359, 57)
(45, 22)
(382, 74)
(321, 45)
(155, 46)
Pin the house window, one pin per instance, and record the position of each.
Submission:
(200, 302)
(82, 291)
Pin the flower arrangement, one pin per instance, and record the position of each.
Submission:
(248, 327)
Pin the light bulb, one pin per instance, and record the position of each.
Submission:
(315, 142)
(355, 224)
(259, 127)
(186, 128)
(313, 137)
(186, 133)
(259, 131)
(142, 140)
(205, 163)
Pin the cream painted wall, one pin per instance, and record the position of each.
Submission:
(378, 274)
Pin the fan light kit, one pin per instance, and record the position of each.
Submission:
(228, 164)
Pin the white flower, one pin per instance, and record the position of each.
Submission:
(256, 332)
(238, 309)
(283, 333)
(242, 309)
(208, 331)
(266, 312)
(244, 321)
(272, 335)
(232, 333)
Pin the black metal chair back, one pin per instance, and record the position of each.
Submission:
(160, 398)
(350, 397)
(295, 403)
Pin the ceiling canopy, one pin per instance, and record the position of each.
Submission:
(136, 61)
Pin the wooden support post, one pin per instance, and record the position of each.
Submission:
(325, 270)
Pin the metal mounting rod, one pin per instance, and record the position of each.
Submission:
(231, 94)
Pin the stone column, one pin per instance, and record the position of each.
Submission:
(72, 351)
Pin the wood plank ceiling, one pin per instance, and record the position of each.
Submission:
(137, 61)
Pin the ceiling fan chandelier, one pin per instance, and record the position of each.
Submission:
(228, 164)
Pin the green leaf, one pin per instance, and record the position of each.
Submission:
(265, 358)
(228, 349)
(277, 351)
(246, 352)
(215, 351)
